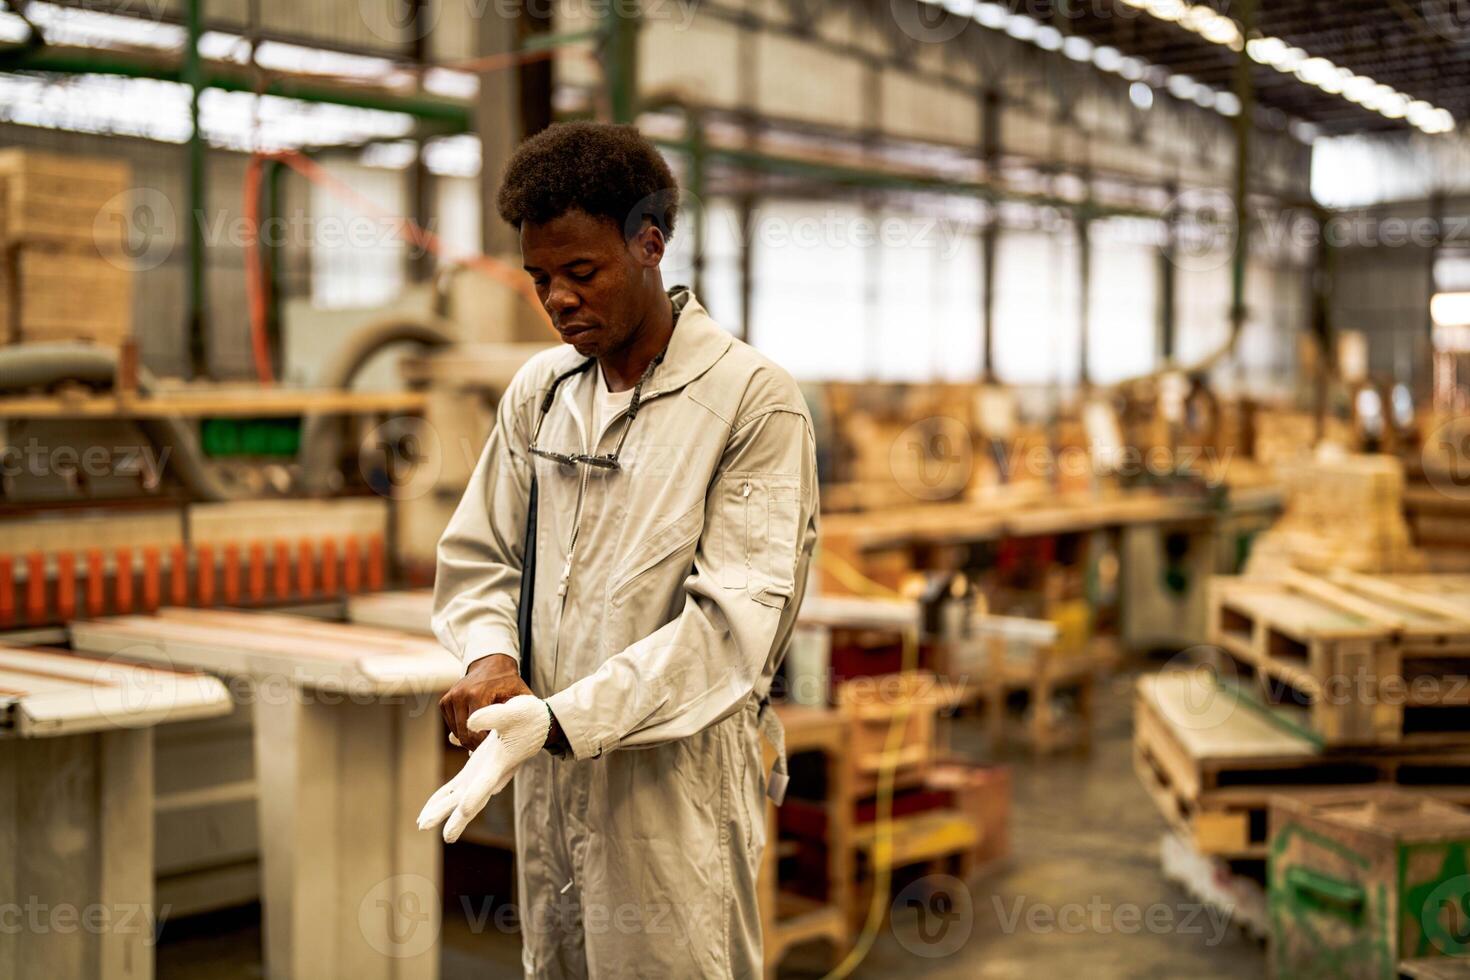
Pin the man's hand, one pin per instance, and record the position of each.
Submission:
(490, 680)
(518, 730)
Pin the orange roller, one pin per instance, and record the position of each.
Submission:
(351, 570)
(152, 580)
(94, 582)
(375, 563)
(305, 568)
(7, 590)
(66, 584)
(283, 569)
(329, 566)
(178, 577)
(123, 581)
(205, 557)
(232, 574)
(36, 586)
(257, 571)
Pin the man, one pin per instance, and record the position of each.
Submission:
(675, 479)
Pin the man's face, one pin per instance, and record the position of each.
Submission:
(589, 279)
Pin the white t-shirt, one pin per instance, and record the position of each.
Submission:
(606, 405)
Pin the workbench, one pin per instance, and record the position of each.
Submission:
(76, 808)
(348, 746)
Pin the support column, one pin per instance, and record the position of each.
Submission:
(990, 236)
(1244, 121)
(196, 319)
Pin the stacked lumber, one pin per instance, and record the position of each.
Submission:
(63, 271)
(1213, 764)
(1341, 512)
(1352, 660)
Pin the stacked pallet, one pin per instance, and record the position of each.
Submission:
(1343, 512)
(64, 274)
(1213, 764)
(1353, 660)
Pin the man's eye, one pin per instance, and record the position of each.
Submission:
(539, 281)
(585, 276)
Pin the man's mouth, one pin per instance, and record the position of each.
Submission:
(568, 330)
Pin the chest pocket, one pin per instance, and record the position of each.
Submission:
(661, 549)
(757, 529)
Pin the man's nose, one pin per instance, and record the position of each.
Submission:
(561, 299)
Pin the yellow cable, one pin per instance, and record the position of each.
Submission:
(883, 835)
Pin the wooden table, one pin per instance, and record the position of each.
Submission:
(76, 808)
(348, 746)
(789, 920)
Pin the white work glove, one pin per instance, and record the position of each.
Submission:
(518, 730)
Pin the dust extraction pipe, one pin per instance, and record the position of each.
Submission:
(40, 365)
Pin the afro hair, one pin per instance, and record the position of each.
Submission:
(605, 170)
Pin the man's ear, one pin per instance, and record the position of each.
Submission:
(647, 247)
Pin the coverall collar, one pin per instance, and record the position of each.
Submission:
(697, 343)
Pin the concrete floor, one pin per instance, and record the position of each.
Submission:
(1082, 897)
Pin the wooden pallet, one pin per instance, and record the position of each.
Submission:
(1356, 659)
(1211, 763)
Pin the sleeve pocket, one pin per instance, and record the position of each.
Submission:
(779, 546)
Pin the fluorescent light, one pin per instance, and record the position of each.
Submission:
(1106, 58)
(1077, 48)
(1182, 87)
(1141, 95)
(1131, 69)
(1450, 309)
(992, 15)
(1226, 104)
(1021, 27)
(1048, 38)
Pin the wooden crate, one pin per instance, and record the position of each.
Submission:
(1212, 764)
(50, 294)
(1359, 879)
(874, 707)
(1354, 659)
(63, 200)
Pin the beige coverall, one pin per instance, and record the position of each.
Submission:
(638, 856)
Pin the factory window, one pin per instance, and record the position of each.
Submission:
(357, 258)
(1036, 308)
(1123, 300)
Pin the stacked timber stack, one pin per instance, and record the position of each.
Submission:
(1325, 684)
(63, 272)
(1341, 513)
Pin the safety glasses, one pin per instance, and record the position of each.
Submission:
(605, 461)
